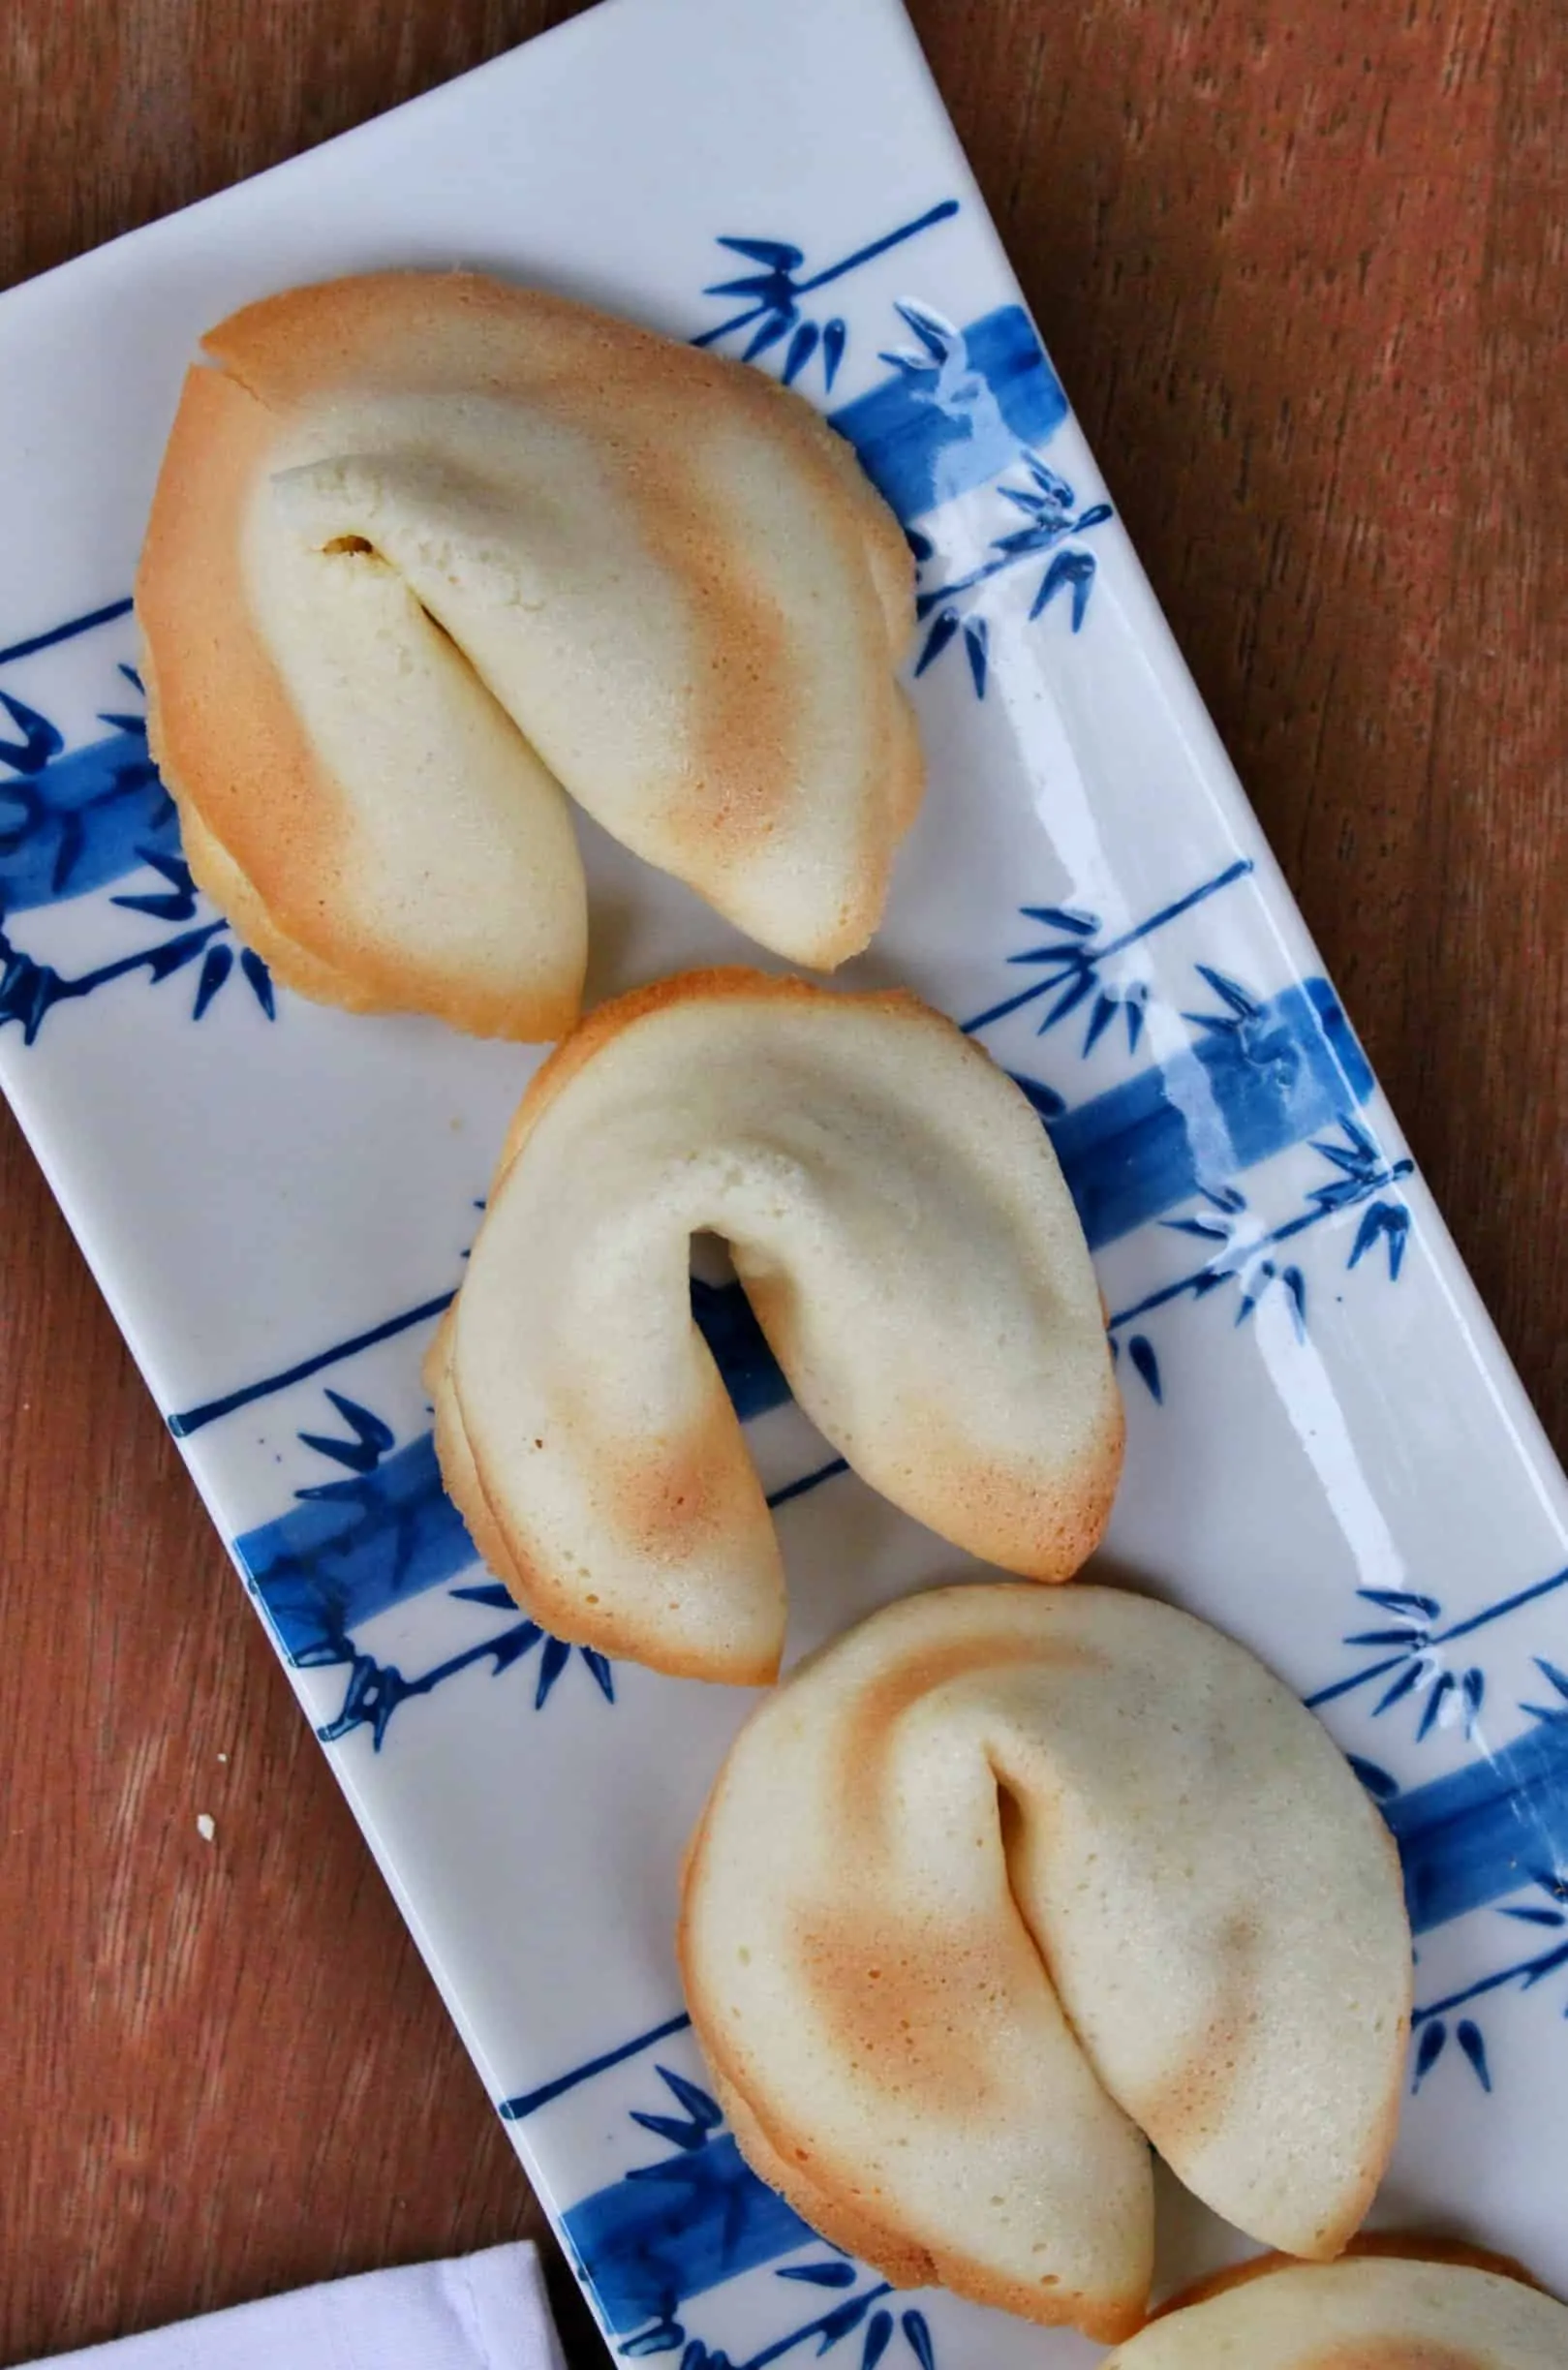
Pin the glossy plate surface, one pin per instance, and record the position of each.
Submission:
(1328, 1453)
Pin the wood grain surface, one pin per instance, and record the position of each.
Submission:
(1302, 267)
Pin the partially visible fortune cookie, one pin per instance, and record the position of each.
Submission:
(902, 1229)
(1005, 1884)
(429, 551)
(1372, 2312)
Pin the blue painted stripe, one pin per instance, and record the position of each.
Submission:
(725, 1313)
(677, 2228)
(372, 1541)
(213, 1410)
(809, 1481)
(367, 1543)
(529, 2102)
(67, 632)
(357, 1546)
(82, 820)
(925, 438)
(1481, 1833)
(1244, 1092)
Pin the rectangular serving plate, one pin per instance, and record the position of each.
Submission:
(1328, 1453)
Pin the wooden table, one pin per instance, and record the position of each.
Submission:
(1292, 259)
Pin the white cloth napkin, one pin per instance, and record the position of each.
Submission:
(479, 2312)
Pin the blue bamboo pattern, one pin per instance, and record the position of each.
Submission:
(953, 608)
(646, 2245)
(1078, 964)
(774, 294)
(73, 822)
(1496, 1827)
(1248, 1256)
(937, 430)
(380, 1532)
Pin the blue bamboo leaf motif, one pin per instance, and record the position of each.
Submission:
(1428, 2049)
(313, 1611)
(836, 2326)
(512, 1645)
(1432, 2022)
(1060, 917)
(1242, 1253)
(176, 903)
(1141, 1350)
(1408, 1653)
(600, 1670)
(703, 2114)
(376, 1690)
(917, 2335)
(216, 965)
(943, 628)
(1408, 1680)
(1058, 493)
(773, 298)
(1071, 573)
(173, 954)
(774, 252)
(77, 822)
(39, 741)
(488, 1592)
(1385, 1221)
(936, 341)
(1072, 971)
(1362, 1169)
(976, 642)
(30, 990)
(772, 333)
(1241, 1006)
(1468, 2036)
(802, 346)
(1557, 1680)
(363, 1452)
(258, 979)
(631, 2240)
(1046, 499)
(1437, 1696)
(878, 2337)
(1074, 962)
(552, 1662)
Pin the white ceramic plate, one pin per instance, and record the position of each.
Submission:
(1328, 1452)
